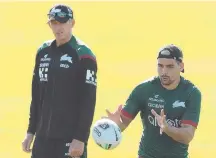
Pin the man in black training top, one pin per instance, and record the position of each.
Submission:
(63, 92)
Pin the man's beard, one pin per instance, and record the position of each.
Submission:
(165, 80)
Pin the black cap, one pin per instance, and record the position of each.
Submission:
(60, 13)
(171, 52)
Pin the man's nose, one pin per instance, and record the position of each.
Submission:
(164, 71)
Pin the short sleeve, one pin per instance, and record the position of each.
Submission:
(132, 105)
(192, 113)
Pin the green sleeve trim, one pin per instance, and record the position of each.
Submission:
(82, 49)
(85, 52)
(45, 45)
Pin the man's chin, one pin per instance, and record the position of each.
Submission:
(165, 83)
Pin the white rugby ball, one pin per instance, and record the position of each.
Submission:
(106, 134)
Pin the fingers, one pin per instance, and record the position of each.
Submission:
(163, 119)
(120, 108)
(108, 113)
(26, 146)
(162, 115)
(154, 113)
(160, 119)
(104, 117)
(162, 112)
(117, 111)
(76, 148)
(161, 131)
(75, 153)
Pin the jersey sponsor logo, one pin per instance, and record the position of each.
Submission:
(177, 103)
(43, 74)
(153, 121)
(44, 65)
(64, 66)
(66, 57)
(156, 102)
(91, 77)
(153, 105)
(175, 123)
(45, 58)
(157, 98)
(43, 68)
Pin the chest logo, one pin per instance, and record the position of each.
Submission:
(177, 103)
(45, 58)
(66, 57)
(44, 68)
(91, 77)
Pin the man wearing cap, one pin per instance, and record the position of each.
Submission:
(169, 107)
(63, 92)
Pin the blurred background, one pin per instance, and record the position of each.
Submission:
(125, 37)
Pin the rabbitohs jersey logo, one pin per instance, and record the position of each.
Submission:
(172, 122)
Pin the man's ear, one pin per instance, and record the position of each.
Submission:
(73, 23)
(181, 65)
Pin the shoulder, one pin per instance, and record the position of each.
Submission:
(149, 82)
(191, 88)
(146, 84)
(44, 45)
(84, 51)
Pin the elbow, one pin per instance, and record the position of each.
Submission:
(189, 138)
(186, 141)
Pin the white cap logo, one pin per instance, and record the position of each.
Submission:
(165, 52)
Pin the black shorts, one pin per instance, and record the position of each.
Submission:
(52, 148)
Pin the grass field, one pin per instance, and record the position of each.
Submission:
(125, 36)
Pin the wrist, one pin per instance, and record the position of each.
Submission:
(30, 134)
(121, 124)
(166, 127)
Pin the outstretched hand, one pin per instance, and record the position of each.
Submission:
(161, 120)
(114, 116)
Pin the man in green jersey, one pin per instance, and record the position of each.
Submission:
(169, 107)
